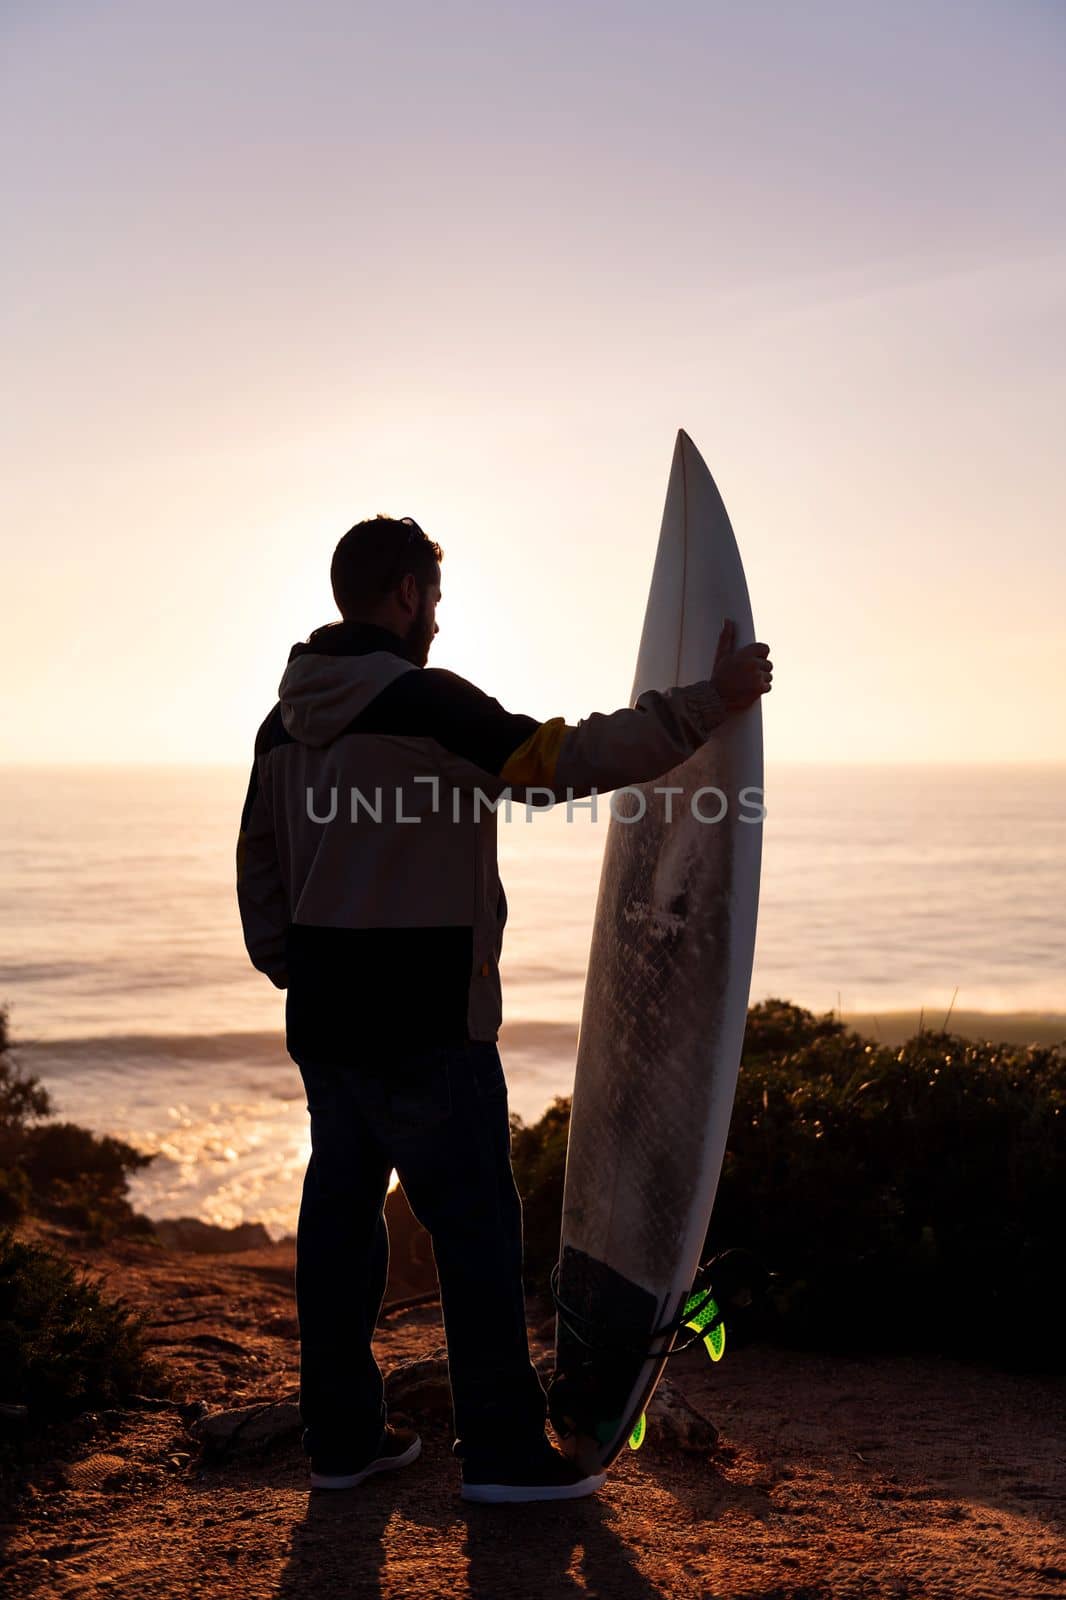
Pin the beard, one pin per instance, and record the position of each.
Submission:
(420, 635)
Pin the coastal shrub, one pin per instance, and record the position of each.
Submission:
(14, 1191)
(65, 1346)
(57, 1169)
(23, 1099)
(81, 1178)
(538, 1156)
(906, 1197)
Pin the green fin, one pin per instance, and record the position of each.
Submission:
(714, 1339)
(636, 1438)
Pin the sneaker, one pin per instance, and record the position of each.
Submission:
(543, 1475)
(398, 1448)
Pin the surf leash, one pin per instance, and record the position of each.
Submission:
(745, 1277)
(741, 1277)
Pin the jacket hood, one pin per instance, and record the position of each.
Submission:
(334, 676)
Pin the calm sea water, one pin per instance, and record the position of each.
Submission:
(122, 962)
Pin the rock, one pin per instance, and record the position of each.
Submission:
(678, 1425)
(191, 1410)
(208, 1238)
(420, 1388)
(226, 1433)
(282, 1326)
(212, 1341)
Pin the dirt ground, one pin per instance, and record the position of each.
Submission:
(832, 1478)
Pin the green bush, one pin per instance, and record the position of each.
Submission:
(14, 1192)
(64, 1345)
(538, 1156)
(22, 1099)
(907, 1198)
(57, 1169)
(80, 1178)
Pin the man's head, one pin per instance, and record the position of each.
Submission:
(387, 571)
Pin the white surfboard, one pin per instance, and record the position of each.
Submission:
(666, 1001)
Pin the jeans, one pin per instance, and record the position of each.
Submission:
(439, 1116)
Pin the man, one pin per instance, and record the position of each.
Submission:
(368, 889)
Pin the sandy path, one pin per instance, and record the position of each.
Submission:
(833, 1478)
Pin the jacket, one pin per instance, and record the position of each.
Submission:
(367, 877)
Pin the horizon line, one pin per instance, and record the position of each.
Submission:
(242, 764)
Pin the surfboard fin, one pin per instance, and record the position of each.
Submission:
(706, 1317)
(636, 1438)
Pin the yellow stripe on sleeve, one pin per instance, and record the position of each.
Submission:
(534, 760)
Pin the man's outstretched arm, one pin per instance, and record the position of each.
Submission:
(609, 750)
(602, 752)
(640, 744)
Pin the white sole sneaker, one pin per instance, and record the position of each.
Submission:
(495, 1494)
(352, 1480)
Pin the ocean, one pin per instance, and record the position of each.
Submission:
(121, 961)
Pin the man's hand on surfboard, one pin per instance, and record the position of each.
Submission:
(740, 676)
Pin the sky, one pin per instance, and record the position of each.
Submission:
(271, 269)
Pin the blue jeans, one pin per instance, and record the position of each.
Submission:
(439, 1116)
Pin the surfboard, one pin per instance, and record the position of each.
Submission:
(665, 1005)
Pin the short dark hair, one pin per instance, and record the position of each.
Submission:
(375, 556)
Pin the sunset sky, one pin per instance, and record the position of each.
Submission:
(270, 269)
